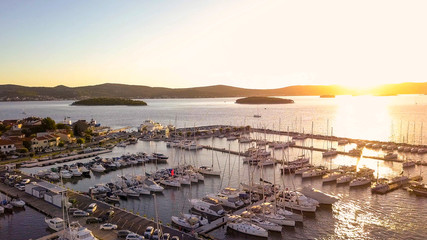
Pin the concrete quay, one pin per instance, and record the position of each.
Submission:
(64, 159)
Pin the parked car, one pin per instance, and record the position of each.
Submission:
(148, 232)
(134, 236)
(108, 226)
(72, 209)
(109, 213)
(166, 236)
(25, 181)
(92, 208)
(93, 220)
(80, 213)
(174, 238)
(157, 234)
(123, 233)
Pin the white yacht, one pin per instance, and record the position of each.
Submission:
(84, 171)
(227, 200)
(130, 193)
(209, 171)
(152, 186)
(170, 182)
(141, 190)
(361, 181)
(184, 180)
(97, 168)
(266, 162)
(53, 176)
(408, 164)
(56, 224)
(297, 201)
(289, 215)
(331, 177)
(303, 169)
(65, 174)
(346, 178)
(321, 197)
(265, 211)
(189, 221)
(16, 202)
(78, 232)
(316, 172)
(330, 152)
(75, 171)
(270, 226)
(208, 208)
(238, 224)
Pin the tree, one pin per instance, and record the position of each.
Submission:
(80, 127)
(62, 126)
(61, 144)
(80, 140)
(48, 124)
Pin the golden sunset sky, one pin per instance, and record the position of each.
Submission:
(250, 44)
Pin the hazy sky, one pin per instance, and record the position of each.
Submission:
(252, 44)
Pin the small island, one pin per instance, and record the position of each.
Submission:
(109, 102)
(263, 100)
(327, 96)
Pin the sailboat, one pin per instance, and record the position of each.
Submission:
(236, 223)
(206, 170)
(330, 151)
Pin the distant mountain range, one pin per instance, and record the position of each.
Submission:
(18, 93)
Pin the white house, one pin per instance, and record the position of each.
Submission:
(7, 146)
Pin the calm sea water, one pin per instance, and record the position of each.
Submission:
(358, 215)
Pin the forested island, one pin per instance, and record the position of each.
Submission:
(109, 102)
(263, 100)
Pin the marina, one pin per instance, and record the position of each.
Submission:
(226, 155)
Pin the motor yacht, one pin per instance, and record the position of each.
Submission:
(189, 221)
(152, 186)
(97, 168)
(329, 153)
(209, 208)
(297, 201)
(253, 218)
(360, 181)
(170, 182)
(316, 172)
(321, 197)
(75, 171)
(65, 174)
(227, 200)
(209, 171)
(331, 177)
(16, 202)
(56, 224)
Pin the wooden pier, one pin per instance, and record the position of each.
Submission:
(223, 150)
(64, 159)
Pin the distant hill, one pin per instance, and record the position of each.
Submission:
(18, 93)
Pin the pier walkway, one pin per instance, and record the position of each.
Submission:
(64, 159)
